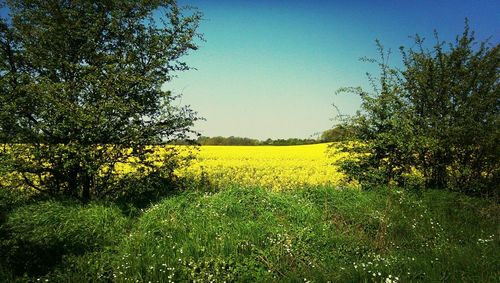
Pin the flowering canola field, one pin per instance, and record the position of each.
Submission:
(273, 167)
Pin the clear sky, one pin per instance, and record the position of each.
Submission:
(269, 69)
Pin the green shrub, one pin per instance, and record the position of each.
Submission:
(111, 109)
(437, 118)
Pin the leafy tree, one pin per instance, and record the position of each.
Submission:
(437, 118)
(81, 90)
(336, 134)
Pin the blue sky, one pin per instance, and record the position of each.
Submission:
(269, 69)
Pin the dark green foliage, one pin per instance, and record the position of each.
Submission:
(336, 134)
(139, 193)
(36, 237)
(81, 83)
(455, 96)
(437, 117)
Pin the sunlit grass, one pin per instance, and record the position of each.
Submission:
(256, 235)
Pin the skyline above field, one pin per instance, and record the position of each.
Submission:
(270, 69)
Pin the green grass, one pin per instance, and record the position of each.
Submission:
(37, 237)
(253, 235)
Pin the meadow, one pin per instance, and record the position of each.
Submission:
(255, 214)
(98, 182)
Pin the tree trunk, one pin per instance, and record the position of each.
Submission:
(85, 187)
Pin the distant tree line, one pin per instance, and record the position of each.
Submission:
(290, 141)
(335, 134)
(227, 141)
(249, 141)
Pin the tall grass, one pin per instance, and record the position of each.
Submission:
(36, 237)
(318, 234)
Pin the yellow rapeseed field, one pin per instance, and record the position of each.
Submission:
(273, 167)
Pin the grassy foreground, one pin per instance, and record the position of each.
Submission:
(254, 235)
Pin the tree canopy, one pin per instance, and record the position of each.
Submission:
(434, 123)
(81, 89)
(335, 134)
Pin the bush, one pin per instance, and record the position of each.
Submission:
(437, 119)
(85, 93)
